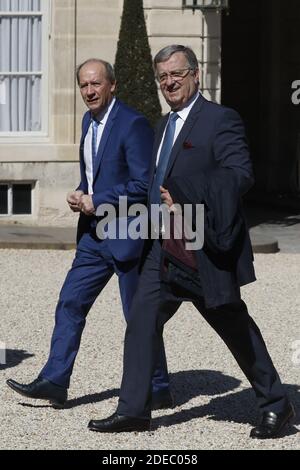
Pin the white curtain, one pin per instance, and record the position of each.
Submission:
(20, 51)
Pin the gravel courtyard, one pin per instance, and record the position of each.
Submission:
(215, 407)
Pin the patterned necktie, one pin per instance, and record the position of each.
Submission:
(95, 125)
(154, 197)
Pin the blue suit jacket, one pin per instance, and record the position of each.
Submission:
(122, 169)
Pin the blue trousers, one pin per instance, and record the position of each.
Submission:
(91, 270)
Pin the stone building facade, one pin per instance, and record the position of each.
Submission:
(248, 60)
(39, 165)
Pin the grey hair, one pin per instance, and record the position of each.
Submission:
(165, 53)
(110, 74)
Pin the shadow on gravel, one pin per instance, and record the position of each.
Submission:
(92, 398)
(225, 404)
(84, 400)
(188, 384)
(13, 357)
(257, 215)
(238, 407)
(185, 385)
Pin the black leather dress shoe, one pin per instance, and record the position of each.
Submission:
(43, 389)
(273, 424)
(119, 423)
(161, 400)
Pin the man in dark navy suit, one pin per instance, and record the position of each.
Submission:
(115, 155)
(200, 148)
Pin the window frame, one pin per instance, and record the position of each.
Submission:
(34, 136)
(10, 185)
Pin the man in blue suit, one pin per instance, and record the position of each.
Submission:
(115, 153)
(200, 155)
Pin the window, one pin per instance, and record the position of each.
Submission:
(23, 64)
(205, 4)
(16, 198)
(3, 199)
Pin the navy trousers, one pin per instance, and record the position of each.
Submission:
(149, 313)
(92, 268)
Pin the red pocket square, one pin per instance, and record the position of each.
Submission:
(187, 145)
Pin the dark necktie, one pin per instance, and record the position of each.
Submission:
(154, 197)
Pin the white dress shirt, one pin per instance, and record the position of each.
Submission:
(183, 114)
(87, 152)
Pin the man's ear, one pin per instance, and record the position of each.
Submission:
(113, 87)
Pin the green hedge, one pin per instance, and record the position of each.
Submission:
(133, 65)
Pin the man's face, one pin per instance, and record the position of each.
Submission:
(96, 90)
(177, 90)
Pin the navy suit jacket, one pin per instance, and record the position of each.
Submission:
(212, 138)
(122, 169)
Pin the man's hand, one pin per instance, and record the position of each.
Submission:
(166, 198)
(86, 204)
(73, 199)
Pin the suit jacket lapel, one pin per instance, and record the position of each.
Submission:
(85, 127)
(186, 129)
(158, 136)
(107, 129)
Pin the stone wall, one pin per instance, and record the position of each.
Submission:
(79, 29)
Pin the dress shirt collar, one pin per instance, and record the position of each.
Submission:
(184, 112)
(102, 117)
